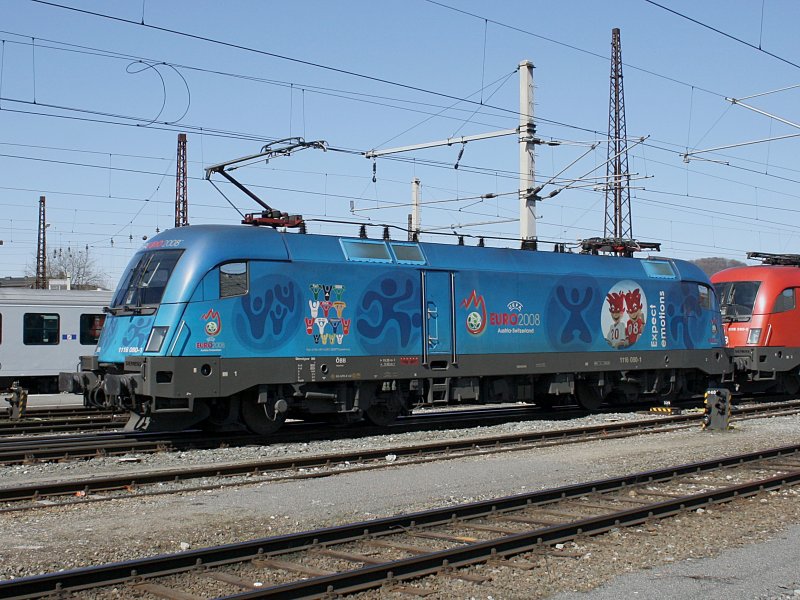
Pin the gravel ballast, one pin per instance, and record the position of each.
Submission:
(56, 538)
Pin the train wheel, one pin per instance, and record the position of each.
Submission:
(223, 415)
(589, 396)
(262, 419)
(383, 413)
(383, 408)
(790, 384)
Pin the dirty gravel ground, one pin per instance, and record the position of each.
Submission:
(56, 538)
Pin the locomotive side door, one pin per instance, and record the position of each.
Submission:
(438, 306)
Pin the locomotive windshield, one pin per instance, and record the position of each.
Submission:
(144, 282)
(737, 298)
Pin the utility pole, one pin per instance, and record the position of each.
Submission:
(527, 142)
(41, 250)
(413, 233)
(527, 130)
(181, 185)
(618, 223)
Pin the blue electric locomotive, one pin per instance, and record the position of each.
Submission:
(244, 326)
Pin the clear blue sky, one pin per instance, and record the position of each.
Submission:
(92, 100)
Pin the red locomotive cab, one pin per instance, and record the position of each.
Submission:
(759, 305)
(761, 320)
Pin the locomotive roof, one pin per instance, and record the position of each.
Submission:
(780, 275)
(209, 245)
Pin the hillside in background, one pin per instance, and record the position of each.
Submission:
(715, 263)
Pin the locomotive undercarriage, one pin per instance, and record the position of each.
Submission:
(764, 370)
(165, 393)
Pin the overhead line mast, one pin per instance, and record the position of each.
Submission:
(618, 228)
(181, 185)
(41, 249)
(618, 195)
(526, 137)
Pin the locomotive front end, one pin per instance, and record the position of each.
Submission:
(759, 312)
(137, 323)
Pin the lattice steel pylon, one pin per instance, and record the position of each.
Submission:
(41, 250)
(618, 223)
(181, 185)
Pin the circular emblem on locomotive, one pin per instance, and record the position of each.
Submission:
(474, 322)
(624, 319)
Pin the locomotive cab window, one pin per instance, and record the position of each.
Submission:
(146, 280)
(90, 328)
(737, 299)
(40, 329)
(366, 251)
(785, 301)
(233, 279)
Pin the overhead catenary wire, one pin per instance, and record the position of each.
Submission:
(244, 48)
(450, 165)
(724, 34)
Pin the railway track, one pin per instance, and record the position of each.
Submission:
(76, 419)
(93, 489)
(115, 443)
(57, 424)
(46, 412)
(394, 553)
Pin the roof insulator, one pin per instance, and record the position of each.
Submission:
(386, 235)
(362, 232)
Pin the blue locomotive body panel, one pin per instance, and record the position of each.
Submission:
(309, 295)
(244, 326)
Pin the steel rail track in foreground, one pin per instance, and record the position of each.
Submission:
(610, 500)
(333, 464)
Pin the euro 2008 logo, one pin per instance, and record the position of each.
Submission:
(476, 317)
(213, 323)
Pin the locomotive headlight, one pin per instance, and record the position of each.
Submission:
(753, 335)
(157, 335)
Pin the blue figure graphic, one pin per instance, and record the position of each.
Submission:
(385, 314)
(685, 319)
(136, 334)
(264, 317)
(575, 307)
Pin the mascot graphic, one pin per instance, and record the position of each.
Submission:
(635, 325)
(616, 336)
(624, 322)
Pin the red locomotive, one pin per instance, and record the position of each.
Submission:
(762, 323)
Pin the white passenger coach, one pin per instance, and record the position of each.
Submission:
(44, 332)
